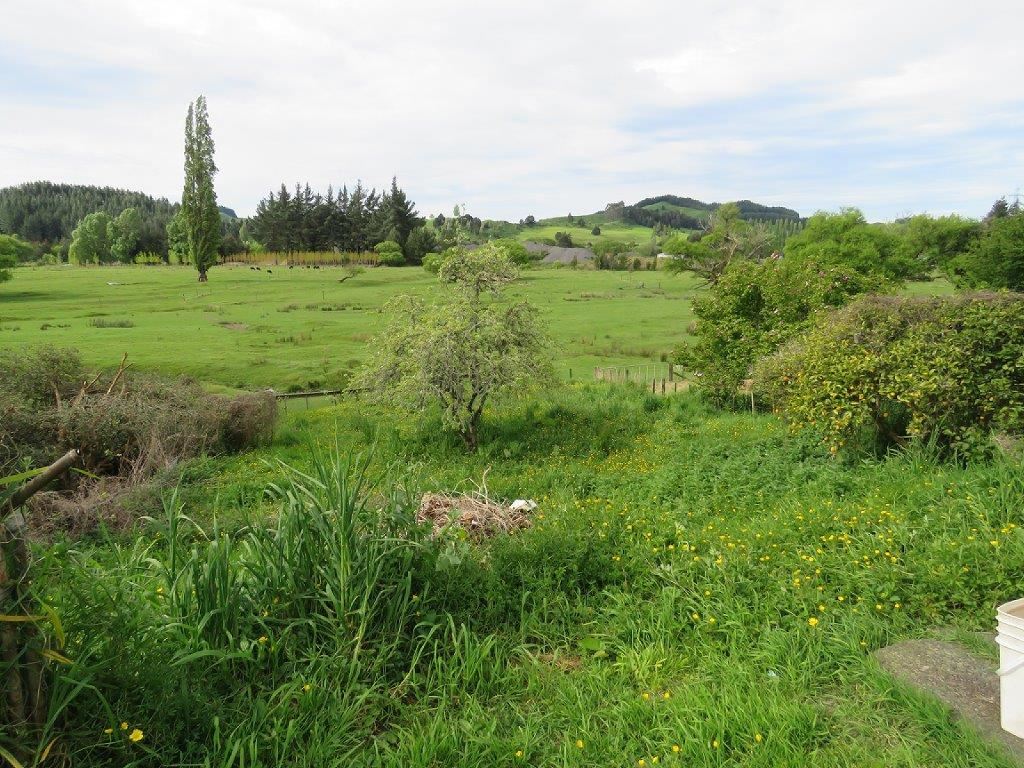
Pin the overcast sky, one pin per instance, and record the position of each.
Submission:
(527, 107)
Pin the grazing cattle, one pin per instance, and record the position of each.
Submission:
(269, 272)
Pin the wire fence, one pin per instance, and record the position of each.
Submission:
(660, 377)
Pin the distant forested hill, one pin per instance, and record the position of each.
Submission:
(42, 211)
(688, 213)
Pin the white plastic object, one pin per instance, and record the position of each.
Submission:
(1010, 620)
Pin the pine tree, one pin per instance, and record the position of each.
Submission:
(199, 213)
(401, 212)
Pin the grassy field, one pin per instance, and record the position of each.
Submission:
(614, 231)
(698, 589)
(302, 328)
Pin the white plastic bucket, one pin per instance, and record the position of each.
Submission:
(1010, 620)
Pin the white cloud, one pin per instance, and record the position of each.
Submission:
(519, 108)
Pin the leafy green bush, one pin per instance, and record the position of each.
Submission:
(996, 259)
(888, 371)
(845, 239)
(755, 307)
(390, 253)
(514, 251)
(432, 262)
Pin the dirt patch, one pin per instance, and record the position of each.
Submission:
(963, 681)
(234, 326)
(560, 661)
(477, 515)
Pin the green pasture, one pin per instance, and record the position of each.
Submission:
(302, 328)
(615, 231)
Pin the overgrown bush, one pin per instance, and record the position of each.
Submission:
(886, 371)
(123, 424)
(432, 262)
(996, 258)
(755, 307)
(845, 239)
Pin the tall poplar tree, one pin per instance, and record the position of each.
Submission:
(199, 215)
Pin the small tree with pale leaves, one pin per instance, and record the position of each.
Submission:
(462, 351)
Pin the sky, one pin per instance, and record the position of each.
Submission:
(542, 108)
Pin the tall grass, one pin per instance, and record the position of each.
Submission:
(236, 648)
(661, 605)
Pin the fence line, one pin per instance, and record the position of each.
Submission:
(639, 372)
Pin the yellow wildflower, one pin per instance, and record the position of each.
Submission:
(136, 735)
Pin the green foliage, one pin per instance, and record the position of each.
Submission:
(885, 371)
(13, 249)
(514, 251)
(673, 567)
(753, 309)
(728, 239)
(477, 271)
(462, 351)
(563, 240)
(7, 260)
(432, 262)
(390, 253)
(199, 216)
(124, 235)
(996, 258)
(90, 242)
(41, 211)
(935, 241)
(845, 239)
(420, 242)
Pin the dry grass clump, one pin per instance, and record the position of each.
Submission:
(476, 514)
(128, 428)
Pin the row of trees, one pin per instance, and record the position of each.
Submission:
(989, 253)
(356, 220)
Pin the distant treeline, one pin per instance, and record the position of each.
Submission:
(640, 213)
(352, 221)
(44, 212)
(47, 214)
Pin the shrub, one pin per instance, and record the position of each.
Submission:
(752, 310)
(845, 239)
(514, 251)
(126, 425)
(563, 239)
(390, 253)
(102, 322)
(996, 259)
(432, 262)
(887, 371)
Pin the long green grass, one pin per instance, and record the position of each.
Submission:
(698, 589)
